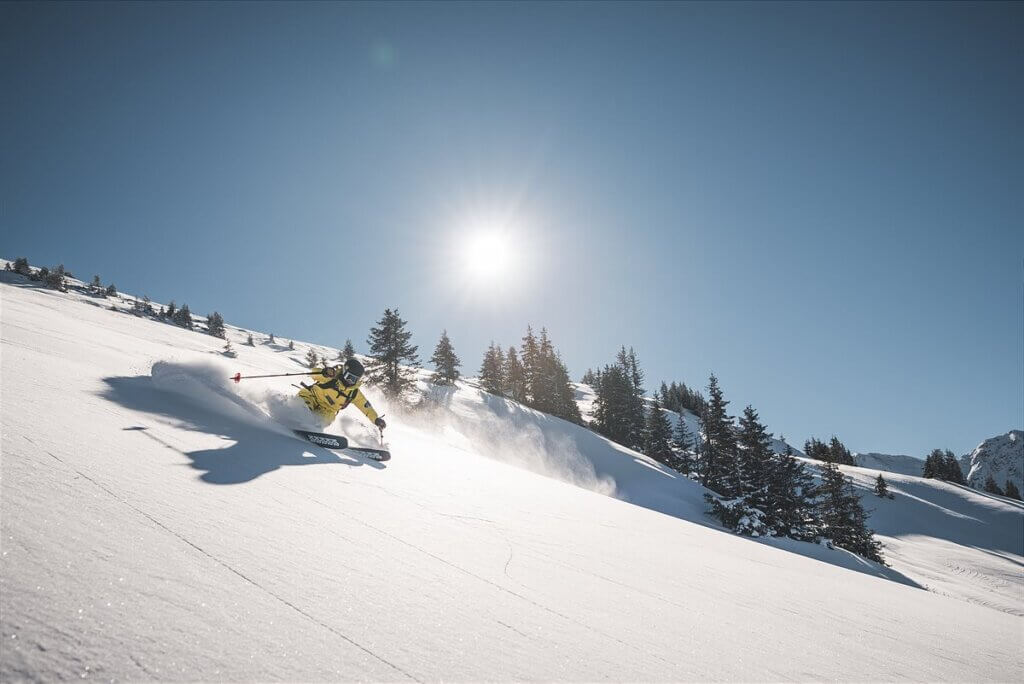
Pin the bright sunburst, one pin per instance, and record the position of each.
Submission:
(489, 254)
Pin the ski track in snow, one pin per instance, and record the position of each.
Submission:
(230, 568)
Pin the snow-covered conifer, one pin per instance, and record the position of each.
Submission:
(215, 325)
(951, 469)
(491, 370)
(183, 317)
(881, 487)
(719, 471)
(446, 363)
(842, 516)
(392, 357)
(658, 437)
(515, 377)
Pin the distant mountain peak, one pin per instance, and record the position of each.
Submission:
(1001, 456)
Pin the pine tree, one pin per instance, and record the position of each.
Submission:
(492, 371)
(843, 519)
(446, 363)
(392, 358)
(934, 464)
(718, 468)
(249, 341)
(312, 359)
(752, 513)
(564, 398)
(21, 266)
(681, 437)
(171, 310)
(215, 325)
(1012, 491)
(684, 445)
(818, 450)
(96, 284)
(881, 487)
(544, 387)
(515, 377)
(229, 350)
(183, 317)
(635, 374)
(347, 352)
(291, 345)
(611, 394)
(838, 453)
(658, 437)
(951, 469)
(754, 452)
(529, 356)
(991, 487)
(111, 290)
(794, 499)
(271, 340)
(632, 404)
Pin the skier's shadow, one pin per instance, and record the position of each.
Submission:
(256, 450)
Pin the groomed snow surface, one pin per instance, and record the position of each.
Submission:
(157, 524)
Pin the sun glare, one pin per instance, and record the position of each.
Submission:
(488, 255)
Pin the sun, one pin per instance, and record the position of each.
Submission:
(489, 254)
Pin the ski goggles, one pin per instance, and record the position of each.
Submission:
(349, 378)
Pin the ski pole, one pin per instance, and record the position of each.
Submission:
(238, 377)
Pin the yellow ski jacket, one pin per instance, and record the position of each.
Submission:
(327, 396)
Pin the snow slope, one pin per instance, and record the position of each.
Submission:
(1002, 457)
(948, 538)
(890, 463)
(149, 530)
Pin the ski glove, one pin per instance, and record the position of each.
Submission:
(380, 423)
(329, 371)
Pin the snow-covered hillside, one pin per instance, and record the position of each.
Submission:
(1002, 457)
(156, 523)
(890, 463)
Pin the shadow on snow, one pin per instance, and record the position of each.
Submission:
(256, 449)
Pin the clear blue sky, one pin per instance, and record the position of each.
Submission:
(821, 203)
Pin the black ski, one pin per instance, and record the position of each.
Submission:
(329, 441)
(323, 439)
(375, 454)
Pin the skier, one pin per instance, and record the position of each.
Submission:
(334, 389)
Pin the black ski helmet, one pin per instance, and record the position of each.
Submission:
(352, 372)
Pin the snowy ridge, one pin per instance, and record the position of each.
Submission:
(1002, 457)
(890, 463)
(162, 524)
